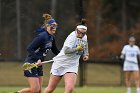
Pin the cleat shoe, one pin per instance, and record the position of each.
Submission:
(14, 92)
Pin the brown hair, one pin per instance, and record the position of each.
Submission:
(83, 22)
(47, 18)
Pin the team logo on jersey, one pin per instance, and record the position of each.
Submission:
(45, 53)
(48, 45)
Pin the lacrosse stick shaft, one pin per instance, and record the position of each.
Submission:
(47, 61)
(28, 66)
(79, 41)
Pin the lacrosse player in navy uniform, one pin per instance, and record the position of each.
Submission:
(37, 51)
(67, 61)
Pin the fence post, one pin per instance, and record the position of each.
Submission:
(18, 30)
(122, 73)
(82, 68)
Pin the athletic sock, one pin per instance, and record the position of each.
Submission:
(17, 92)
(128, 90)
(138, 90)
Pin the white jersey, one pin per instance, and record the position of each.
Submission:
(68, 60)
(131, 53)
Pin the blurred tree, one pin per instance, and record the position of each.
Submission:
(122, 10)
(8, 17)
(110, 24)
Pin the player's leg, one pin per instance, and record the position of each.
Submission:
(40, 83)
(40, 77)
(136, 78)
(128, 81)
(34, 78)
(34, 86)
(53, 81)
(70, 81)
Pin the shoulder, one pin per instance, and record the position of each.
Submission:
(84, 38)
(72, 35)
(125, 46)
(40, 29)
(70, 38)
(43, 33)
(135, 46)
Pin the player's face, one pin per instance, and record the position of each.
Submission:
(52, 28)
(81, 32)
(131, 42)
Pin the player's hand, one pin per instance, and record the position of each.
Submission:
(122, 56)
(39, 63)
(85, 58)
(80, 48)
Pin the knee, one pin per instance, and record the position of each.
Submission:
(127, 79)
(49, 90)
(35, 90)
(136, 78)
(69, 89)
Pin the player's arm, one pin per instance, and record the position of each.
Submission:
(69, 50)
(54, 48)
(68, 45)
(86, 52)
(123, 52)
(34, 45)
(138, 56)
(122, 57)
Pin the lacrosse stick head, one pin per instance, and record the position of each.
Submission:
(81, 42)
(28, 66)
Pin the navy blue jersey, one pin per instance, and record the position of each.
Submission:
(40, 46)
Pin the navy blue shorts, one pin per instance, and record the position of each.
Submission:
(34, 72)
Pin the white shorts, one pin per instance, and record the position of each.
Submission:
(60, 70)
(130, 66)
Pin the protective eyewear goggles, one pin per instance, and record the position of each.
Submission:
(54, 26)
(79, 32)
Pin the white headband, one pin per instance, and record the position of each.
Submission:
(82, 26)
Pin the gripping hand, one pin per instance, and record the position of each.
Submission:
(79, 48)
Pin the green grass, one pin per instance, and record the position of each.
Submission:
(77, 89)
(95, 74)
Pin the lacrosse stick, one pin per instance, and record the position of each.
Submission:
(28, 66)
(79, 41)
(82, 43)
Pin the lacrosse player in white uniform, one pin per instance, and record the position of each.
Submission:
(131, 54)
(67, 61)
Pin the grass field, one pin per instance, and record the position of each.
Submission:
(77, 89)
(96, 74)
